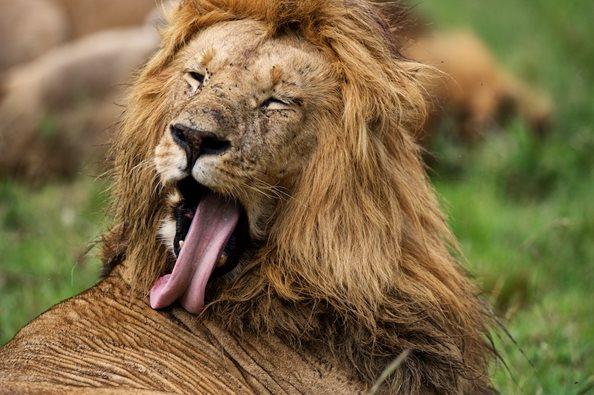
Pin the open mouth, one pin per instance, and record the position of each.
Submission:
(212, 232)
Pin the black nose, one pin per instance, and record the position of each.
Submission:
(198, 143)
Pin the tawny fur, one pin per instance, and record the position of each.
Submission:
(472, 89)
(359, 260)
(57, 112)
(29, 28)
(90, 16)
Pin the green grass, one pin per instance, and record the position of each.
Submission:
(522, 207)
(45, 235)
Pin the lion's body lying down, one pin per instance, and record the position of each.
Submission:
(472, 88)
(128, 347)
(58, 111)
(30, 28)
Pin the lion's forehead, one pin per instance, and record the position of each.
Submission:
(245, 46)
(228, 40)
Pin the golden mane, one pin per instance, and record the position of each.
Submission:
(359, 259)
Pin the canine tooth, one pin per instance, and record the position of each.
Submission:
(181, 243)
(222, 260)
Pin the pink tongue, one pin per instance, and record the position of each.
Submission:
(214, 222)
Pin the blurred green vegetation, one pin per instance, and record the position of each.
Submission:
(520, 205)
(46, 237)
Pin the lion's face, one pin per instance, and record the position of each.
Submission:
(246, 110)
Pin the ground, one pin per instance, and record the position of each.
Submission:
(521, 206)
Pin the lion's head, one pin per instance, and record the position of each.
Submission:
(246, 115)
(266, 169)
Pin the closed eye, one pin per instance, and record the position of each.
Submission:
(273, 103)
(195, 80)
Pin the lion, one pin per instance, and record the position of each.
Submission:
(29, 28)
(272, 208)
(472, 88)
(90, 16)
(57, 111)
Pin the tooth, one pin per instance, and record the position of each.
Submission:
(181, 243)
(222, 260)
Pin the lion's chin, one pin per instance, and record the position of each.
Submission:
(212, 233)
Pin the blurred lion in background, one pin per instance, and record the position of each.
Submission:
(58, 110)
(29, 28)
(90, 16)
(472, 89)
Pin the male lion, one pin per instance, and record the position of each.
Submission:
(267, 181)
